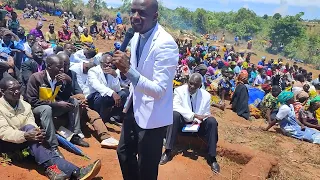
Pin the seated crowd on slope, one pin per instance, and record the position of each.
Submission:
(45, 77)
(45, 81)
(290, 96)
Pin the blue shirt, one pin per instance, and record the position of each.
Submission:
(133, 75)
(119, 20)
(261, 63)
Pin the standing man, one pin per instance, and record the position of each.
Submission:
(154, 57)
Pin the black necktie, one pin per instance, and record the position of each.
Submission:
(191, 103)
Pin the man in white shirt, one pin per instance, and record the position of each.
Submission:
(81, 69)
(104, 90)
(31, 39)
(106, 141)
(191, 104)
(83, 55)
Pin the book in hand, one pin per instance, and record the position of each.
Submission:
(191, 128)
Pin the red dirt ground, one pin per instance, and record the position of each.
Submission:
(297, 160)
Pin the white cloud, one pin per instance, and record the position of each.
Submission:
(246, 6)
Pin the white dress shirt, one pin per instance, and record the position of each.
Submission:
(78, 57)
(51, 82)
(81, 77)
(97, 82)
(182, 103)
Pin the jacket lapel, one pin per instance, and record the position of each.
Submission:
(187, 97)
(34, 65)
(198, 103)
(101, 75)
(148, 46)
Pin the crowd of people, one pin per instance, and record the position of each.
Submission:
(282, 94)
(52, 75)
(44, 76)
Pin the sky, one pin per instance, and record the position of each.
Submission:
(261, 7)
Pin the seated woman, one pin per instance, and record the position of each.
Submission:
(269, 103)
(289, 125)
(308, 118)
(87, 39)
(65, 34)
(105, 28)
(76, 39)
(240, 97)
(51, 36)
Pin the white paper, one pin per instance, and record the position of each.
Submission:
(66, 133)
(191, 128)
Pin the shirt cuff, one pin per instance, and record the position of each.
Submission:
(109, 93)
(133, 75)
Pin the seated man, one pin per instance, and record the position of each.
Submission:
(34, 65)
(104, 90)
(83, 55)
(78, 72)
(191, 104)
(18, 131)
(81, 70)
(49, 93)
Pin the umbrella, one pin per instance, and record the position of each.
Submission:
(70, 147)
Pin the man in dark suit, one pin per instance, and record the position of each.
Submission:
(34, 65)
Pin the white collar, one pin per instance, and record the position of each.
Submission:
(147, 34)
(195, 94)
(49, 78)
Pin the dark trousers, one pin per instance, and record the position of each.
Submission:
(146, 143)
(101, 103)
(46, 113)
(208, 129)
(43, 156)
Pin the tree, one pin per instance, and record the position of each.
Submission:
(265, 16)
(277, 16)
(286, 30)
(125, 6)
(200, 20)
(69, 4)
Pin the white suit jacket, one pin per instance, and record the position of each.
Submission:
(98, 83)
(152, 96)
(182, 104)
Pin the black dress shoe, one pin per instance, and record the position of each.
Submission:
(215, 167)
(165, 158)
(57, 152)
(78, 141)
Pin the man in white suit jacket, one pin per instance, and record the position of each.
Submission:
(154, 57)
(191, 104)
(104, 89)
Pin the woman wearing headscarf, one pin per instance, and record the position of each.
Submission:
(240, 97)
(289, 125)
